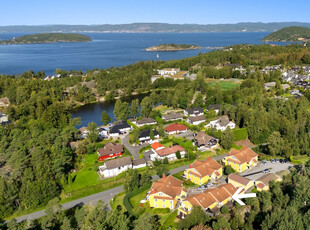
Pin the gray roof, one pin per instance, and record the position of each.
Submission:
(195, 110)
(147, 155)
(146, 120)
(172, 116)
(223, 121)
(215, 107)
(139, 162)
(119, 162)
(198, 118)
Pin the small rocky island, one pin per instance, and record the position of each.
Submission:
(47, 38)
(173, 47)
(289, 34)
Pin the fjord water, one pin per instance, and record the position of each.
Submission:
(109, 50)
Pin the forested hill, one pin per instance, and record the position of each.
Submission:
(155, 27)
(292, 33)
(47, 38)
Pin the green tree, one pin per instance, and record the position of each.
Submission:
(146, 107)
(93, 133)
(224, 210)
(221, 223)
(178, 154)
(161, 170)
(227, 139)
(152, 134)
(196, 217)
(134, 108)
(147, 222)
(105, 118)
(276, 144)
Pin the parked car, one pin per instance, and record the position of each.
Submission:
(266, 171)
(210, 184)
(277, 160)
(272, 161)
(286, 160)
(281, 161)
(264, 162)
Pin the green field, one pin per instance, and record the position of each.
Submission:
(225, 85)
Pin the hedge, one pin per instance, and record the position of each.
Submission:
(240, 134)
(126, 198)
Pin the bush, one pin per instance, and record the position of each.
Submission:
(228, 170)
(178, 154)
(240, 134)
(224, 210)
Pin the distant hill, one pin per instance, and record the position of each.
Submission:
(292, 33)
(155, 28)
(47, 38)
(173, 47)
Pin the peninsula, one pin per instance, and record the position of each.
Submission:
(47, 38)
(292, 33)
(173, 47)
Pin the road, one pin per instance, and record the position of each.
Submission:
(134, 150)
(105, 196)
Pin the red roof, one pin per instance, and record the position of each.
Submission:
(171, 150)
(261, 185)
(175, 127)
(156, 145)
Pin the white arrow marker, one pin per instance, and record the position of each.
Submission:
(238, 196)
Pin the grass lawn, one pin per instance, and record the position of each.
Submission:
(118, 200)
(205, 155)
(161, 108)
(225, 85)
(303, 159)
(168, 144)
(170, 221)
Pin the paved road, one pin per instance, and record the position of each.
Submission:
(134, 150)
(105, 196)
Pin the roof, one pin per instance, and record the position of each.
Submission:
(172, 116)
(267, 178)
(223, 121)
(260, 185)
(195, 110)
(110, 148)
(146, 120)
(202, 199)
(118, 126)
(239, 179)
(138, 162)
(202, 138)
(215, 107)
(146, 133)
(175, 127)
(119, 162)
(170, 150)
(270, 84)
(197, 118)
(169, 185)
(156, 145)
(206, 167)
(83, 129)
(243, 155)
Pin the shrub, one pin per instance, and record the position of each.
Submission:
(224, 210)
(240, 134)
(228, 170)
(178, 154)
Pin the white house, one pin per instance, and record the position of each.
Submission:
(168, 71)
(160, 152)
(145, 135)
(138, 163)
(114, 167)
(103, 132)
(119, 128)
(196, 120)
(83, 131)
(196, 111)
(221, 124)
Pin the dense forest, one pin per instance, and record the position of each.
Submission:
(35, 157)
(292, 33)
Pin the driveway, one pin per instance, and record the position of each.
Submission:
(188, 135)
(256, 172)
(134, 150)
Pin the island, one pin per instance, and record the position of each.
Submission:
(173, 47)
(47, 38)
(289, 34)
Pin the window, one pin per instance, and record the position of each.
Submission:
(155, 205)
(164, 201)
(189, 208)
(160, 193)
(164, 206)
(170, 201)
(155, 200)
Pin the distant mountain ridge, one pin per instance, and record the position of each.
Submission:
(155, 28)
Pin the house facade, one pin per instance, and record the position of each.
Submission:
(200, 172)
(146, 121)
(119, 128)
(145, 137)
(240, 181)
(221, 124)
(241, 160)
(168, 71)
(262, 183)
(166, 192)
(110, 150)
(196, 120)
(172, 117)
(114, 167)
(160, 152)
(176, 129)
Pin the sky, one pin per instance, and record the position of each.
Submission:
(86, 12)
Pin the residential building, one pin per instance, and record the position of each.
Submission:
(4, 102)
(114, 167)
(168, 71)
(196, 120)
(176, 129)
(215, 107)
(103, 132)
(201, 172)
(160, 152)
(269, 85)
(221, 124)
(83, 130)
(262, 183)
(139, 163)
(119, 128)
(196, 111)
(145, 137)
(4, 118)
(241, 160)
(172, 116)
(110, 150)
(146, 121)
(240, 181)
(166, 192)
(203, 141)
(210, 200)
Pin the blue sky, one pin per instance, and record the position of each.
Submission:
(41, 12)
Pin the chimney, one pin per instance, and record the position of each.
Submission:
(164, 176)
(243, 147)
(208, 158)
(229, 154)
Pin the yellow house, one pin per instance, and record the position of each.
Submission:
(200, 172)
(262, 183)
(241, 160)
(239, 181)
(209, 199)
(166, 192)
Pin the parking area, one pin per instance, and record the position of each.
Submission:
(256, 172)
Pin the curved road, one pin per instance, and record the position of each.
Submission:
(105, 196)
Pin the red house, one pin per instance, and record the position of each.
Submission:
(110, 150)
(176, 128)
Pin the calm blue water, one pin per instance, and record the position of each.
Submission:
(108, 50)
